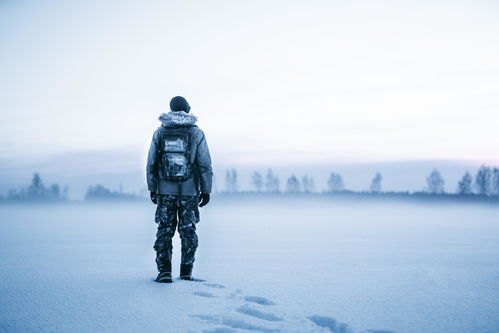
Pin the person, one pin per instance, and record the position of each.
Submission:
(179, 178)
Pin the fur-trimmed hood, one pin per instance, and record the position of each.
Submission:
(177, 118)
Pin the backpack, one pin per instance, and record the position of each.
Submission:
(175, 154)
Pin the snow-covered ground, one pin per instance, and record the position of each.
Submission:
(270, 265)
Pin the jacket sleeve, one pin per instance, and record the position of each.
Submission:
(203, 160)
(152, 168)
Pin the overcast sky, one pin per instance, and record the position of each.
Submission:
(272, 81)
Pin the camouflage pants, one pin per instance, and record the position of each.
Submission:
(171, 211)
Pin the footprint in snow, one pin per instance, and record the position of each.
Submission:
(204, 294)
(337, 327)
(258, 300)
(249, 311)
(330, 323)
(232, 323)
(221, 330)
(214, 285)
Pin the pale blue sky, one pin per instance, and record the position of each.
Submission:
(273, 82)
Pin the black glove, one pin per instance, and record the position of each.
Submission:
(154, 198)
(204, 198)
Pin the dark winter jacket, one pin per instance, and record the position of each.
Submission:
(201, 179)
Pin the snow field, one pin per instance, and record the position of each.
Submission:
(270, 265)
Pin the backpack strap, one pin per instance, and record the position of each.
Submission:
(161, 142)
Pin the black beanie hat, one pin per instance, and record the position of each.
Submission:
(178, 103)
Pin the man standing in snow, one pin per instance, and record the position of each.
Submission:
(179, 177)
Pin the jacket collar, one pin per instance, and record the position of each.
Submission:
(177, 118)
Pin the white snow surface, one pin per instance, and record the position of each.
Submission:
(270, 264)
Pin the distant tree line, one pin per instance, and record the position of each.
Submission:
(37, 191)
(100, 193)
(485, 183)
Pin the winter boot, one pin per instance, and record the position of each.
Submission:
(164, 277)
(186, 272)
(165, 272)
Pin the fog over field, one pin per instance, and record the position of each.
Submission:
(113, 169)
(272, 264)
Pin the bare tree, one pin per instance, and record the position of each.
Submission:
(235, 184)
(435, 182)
(37, 190)
(55, 192)
(271, 182)
(257, 181)
(308, 184)
(495, 181)
(465, 185)
(376, 183)
(483, 180)
(293, 184)
(335, 183)
(231, 180)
